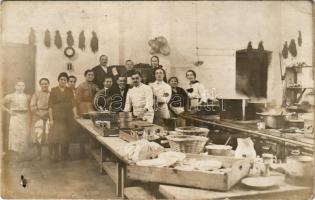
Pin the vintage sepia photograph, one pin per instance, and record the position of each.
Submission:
(157, 100)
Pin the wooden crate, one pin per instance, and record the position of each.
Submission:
(214, 180)
(106, 132)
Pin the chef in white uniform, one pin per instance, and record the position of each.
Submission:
(140, 99)
(162, 95)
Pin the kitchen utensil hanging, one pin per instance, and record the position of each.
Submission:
(292, 48)
(261, 46)
(300, 39)
(47, 38)
(70, 41)
(94, 42)
(198, 62)
(285, 51)
(58, 40)
(249, 46)
(82, 41)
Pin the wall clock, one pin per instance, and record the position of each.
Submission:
(69, 52)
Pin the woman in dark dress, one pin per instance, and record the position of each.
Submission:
(61, 113)
(179, 98)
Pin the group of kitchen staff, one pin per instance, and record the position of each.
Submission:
(151, 98)
(51, 113)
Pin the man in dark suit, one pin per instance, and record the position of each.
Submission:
(102, 99)
(103, 71)
(118, 98)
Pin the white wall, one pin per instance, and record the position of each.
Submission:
(124, 29)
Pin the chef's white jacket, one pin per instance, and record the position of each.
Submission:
(140, 98)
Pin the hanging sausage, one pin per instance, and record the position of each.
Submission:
(285, 51)
(261, 46)
(82, 41)
(58, 40)
(31, 37)
(70, 40)
(47, 38)
(94, 42)
(300, 39)
(249, 46)
(292, 48)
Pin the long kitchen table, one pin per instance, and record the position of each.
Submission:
(110, 157)
(109, 154)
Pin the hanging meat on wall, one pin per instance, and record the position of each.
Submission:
(249, 46)
(70, 40)
(300, 39)
(31, 37)
(94, 42)
(285, 51)
(292, 48)
(47, 38)
(261, 46)
(58, 40)
(82, 41)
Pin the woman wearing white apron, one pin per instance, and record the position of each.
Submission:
(162, 95)
(17, 105)
(197, 92)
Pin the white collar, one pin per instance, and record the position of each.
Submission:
(159, 82)
(139, 85)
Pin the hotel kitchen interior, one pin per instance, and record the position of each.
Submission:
(158, 100)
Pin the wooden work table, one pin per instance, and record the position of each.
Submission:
(113, 144)
(110, 156)
(108, 152)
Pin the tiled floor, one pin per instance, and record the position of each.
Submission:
(68, 179)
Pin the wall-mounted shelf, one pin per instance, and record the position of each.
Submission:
(293, 90)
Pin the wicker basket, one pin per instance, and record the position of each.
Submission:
(187, 144)
(193, 130)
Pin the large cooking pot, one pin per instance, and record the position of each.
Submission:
(125, 120)
(273, 121)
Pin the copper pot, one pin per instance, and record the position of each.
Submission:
(273, 121)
